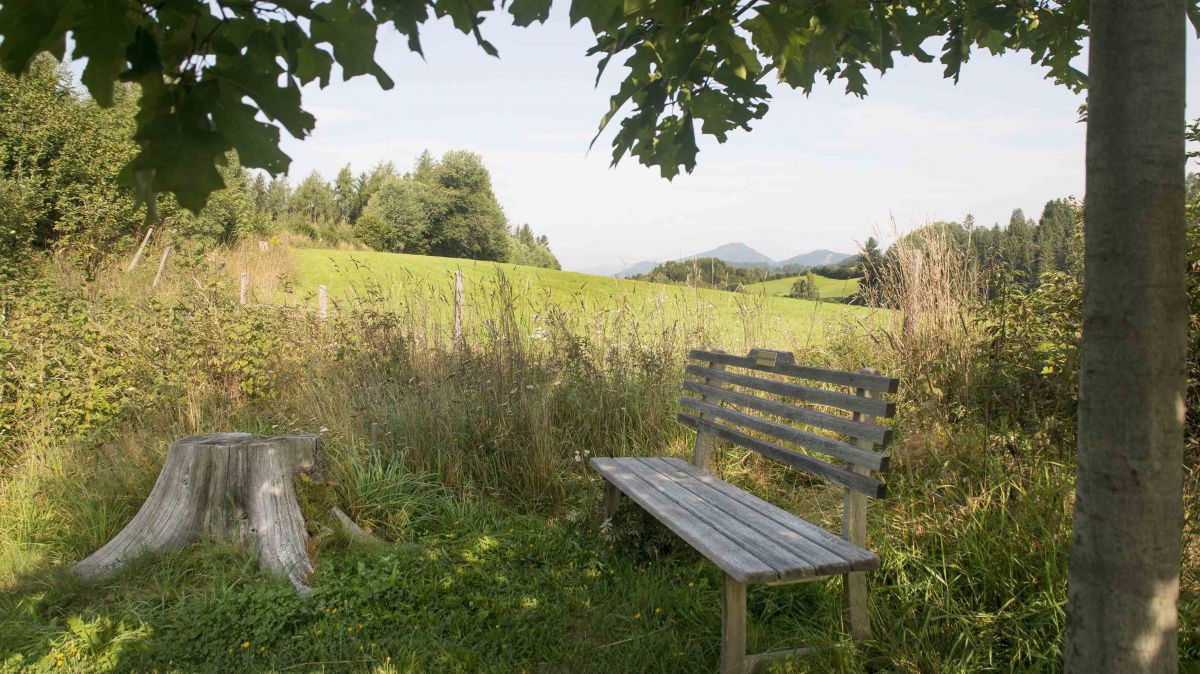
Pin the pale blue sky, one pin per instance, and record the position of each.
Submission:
(817, 172)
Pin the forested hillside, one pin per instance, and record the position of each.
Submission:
(62, 190)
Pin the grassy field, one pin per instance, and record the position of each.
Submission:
(829, 288)
(498, 558)
(421, 288)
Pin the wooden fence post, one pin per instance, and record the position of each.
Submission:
(162, 264)
(244, 289)
(458, 310)
(138, 255)
(322, 302)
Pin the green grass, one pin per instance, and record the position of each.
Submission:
(416, 284)
(485, 590)
(829, 288)
(499, 560)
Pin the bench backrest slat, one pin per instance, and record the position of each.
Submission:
(852, 438)
(835, 448)
(878, 435)
(845, 401)
(772, 415)
(847, 478)
(785, 365)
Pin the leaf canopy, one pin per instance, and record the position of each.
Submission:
(221, 75)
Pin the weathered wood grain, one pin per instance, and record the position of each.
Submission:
(733, 626)
(718, 547)
(230, 486)
(785, 365)
(836, 474)
(783, 555)
(837, 449)
(880, 435)
(860, 559)
(805, 558)
(877, 434)
(702, 448)
(845, 401)
(854, 528)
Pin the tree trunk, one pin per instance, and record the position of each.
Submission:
(1125, 548)
(234, 487)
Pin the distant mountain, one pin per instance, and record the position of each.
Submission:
(643, 267)
(814, 258)
(737, 254)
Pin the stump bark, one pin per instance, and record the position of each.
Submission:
(233, 487)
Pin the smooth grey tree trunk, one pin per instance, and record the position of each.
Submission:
(1125, 547)
(234, 487)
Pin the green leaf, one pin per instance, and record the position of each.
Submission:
(855, 82)
(103, 30)
(350, 30)
(142, 55)
(525, 12)
(406, 16)
(178, 144)
(28, 27)
(257, 143)
(715, 110)
(603, 15)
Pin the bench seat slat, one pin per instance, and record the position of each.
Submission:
(788, 561)
(717, 546)
(749, 538)
(861, 457)
(817, 560)
(879, 435)
(860, 559)
(873, 406)
(871, 382)
(849, 479)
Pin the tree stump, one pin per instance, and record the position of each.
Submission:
(234, 487)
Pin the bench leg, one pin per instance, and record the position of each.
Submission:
(733, 626)
(855, 601)
(612, 498)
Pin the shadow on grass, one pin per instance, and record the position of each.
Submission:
(493, 593)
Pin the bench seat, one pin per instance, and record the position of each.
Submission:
(750, 539)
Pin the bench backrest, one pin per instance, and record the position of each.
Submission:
(838, 423)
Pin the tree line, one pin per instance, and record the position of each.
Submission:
(62, 190)
(713, 272)
(1021, 252)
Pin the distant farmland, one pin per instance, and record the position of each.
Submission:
(829, 288)
(418, 284)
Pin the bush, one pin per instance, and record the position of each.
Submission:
(16, 228)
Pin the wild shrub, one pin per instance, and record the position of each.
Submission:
(1028, 370)
(474, 460)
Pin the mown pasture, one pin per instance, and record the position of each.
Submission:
(827, 288)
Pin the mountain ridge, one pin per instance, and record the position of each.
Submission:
(739, 254)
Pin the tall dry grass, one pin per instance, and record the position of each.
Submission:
(511, 417)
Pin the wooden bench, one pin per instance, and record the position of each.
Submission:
(751, 540)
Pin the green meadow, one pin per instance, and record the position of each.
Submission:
(422, 288)
(828, 288)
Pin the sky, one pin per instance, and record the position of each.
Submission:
(823, 171)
